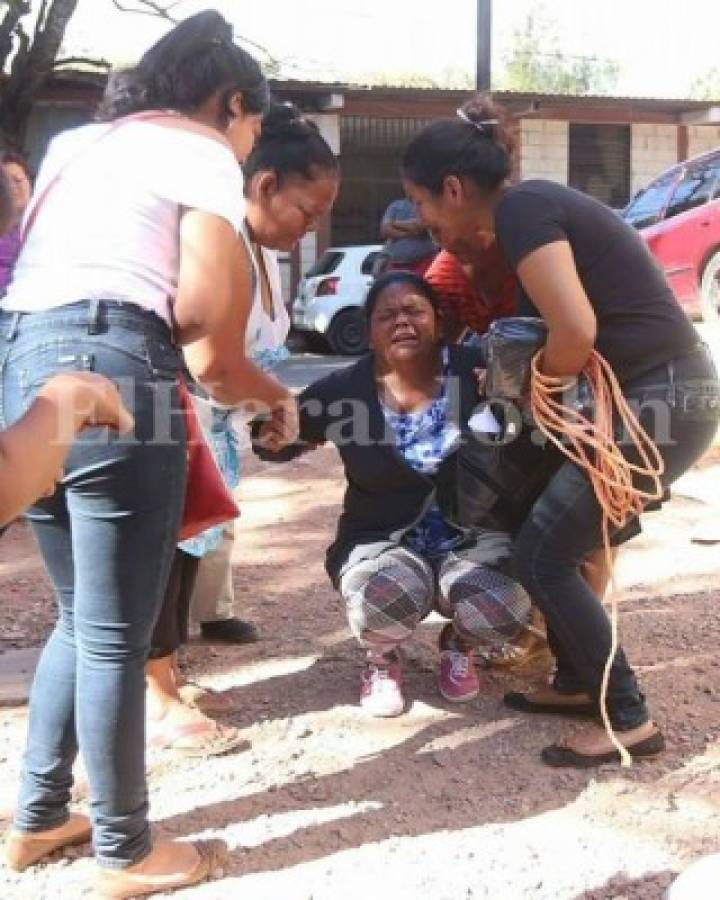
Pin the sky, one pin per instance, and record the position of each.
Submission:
(661, 46)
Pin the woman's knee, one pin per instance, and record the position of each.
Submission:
(386, 599)
(488, 606)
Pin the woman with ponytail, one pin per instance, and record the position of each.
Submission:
(592, 280)
(131, 261)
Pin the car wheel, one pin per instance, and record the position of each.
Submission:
(347, 335)
(710, 289)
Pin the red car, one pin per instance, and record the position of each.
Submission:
(678, 215)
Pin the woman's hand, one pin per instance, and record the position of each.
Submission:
(481, 378)
(86, 400)
(281, 429)
(33, 450)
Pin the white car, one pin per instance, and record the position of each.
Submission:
(332, 294)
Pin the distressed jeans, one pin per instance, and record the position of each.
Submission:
(107, 537)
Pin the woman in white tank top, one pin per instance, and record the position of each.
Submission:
(291, 181)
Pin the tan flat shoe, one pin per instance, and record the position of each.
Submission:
(546, 700)
(592, 747)
(169, 867)
(25, 848)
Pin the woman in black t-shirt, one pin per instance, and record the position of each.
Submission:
(590, 277)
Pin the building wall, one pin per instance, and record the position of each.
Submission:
(654, 149)
(544, 149)
(702, 138)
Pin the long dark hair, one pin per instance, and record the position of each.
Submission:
(289, 144)
(186, 67)
(477, 144)
(389, 279)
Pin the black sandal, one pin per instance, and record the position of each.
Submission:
(560, 756)
(521, 703)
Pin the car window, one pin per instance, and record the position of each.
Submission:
(327, 263)
(715, 166)
(695, 189)
(369, 263)
(647, 207)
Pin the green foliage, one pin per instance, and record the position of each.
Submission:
(707, 85)
(535, 63)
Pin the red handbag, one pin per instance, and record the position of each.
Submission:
(207, 499)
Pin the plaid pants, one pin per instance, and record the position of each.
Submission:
(388, 596)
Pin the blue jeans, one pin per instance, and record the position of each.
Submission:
(107, 537)
(679, 408)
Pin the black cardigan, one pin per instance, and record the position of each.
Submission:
(385, 496)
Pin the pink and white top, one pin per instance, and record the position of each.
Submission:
(109, 228)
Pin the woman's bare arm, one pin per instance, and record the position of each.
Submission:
(552, 283)
(33, 450)
(212, 309)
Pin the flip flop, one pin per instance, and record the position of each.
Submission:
(218, 740)
(204, 698)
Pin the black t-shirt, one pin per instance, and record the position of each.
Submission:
(639, 322)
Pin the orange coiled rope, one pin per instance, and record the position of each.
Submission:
(590, 444)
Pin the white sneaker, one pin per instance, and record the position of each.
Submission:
(381, 690)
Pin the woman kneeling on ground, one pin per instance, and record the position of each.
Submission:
(400, 550)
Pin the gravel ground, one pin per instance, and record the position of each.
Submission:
(443, 803)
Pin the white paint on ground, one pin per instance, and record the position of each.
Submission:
(266, 828)
(468, 735)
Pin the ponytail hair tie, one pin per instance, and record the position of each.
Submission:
(485, 126)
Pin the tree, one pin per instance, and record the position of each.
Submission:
(549, 71)
(30, 44)
(31, 36)
(707, 85)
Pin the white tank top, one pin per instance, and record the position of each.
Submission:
(264, 332)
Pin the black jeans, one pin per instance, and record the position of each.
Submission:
(678, 408)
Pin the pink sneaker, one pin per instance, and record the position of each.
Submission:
(381, 691)
(458, 679)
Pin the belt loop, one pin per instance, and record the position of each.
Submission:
(13, 329)
(93, 319)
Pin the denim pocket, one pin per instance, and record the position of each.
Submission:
(36, 365)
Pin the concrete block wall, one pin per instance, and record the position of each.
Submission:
(702, 138)
(329, 125)
(544, 149)
(654, 149)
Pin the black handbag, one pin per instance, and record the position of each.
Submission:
(500, 476)
(510, 345)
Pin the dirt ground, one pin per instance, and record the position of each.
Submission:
(443, 803)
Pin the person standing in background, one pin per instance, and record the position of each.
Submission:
(408, 245)
(19, 181)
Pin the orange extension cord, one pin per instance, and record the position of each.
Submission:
(591, 445)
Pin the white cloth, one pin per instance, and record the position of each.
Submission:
(264, 332)
(109, 228)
